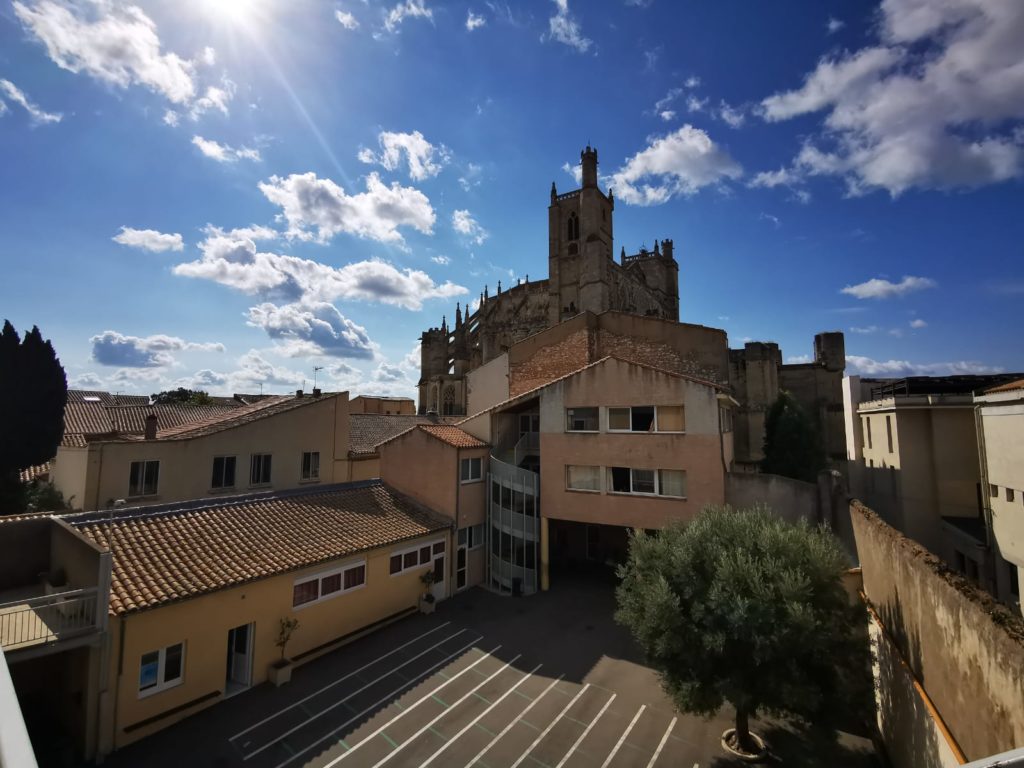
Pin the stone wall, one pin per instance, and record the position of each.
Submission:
(965, 650)
(550, 362)
(792, 500)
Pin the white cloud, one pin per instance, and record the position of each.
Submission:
(680, 163)
(918, 323)
(464, 223)
(471, 177)
(411, 9)
(731, 116)
(667, 115)
(834, 25)
(171, 118)
(936, 103)
(309, 203)
(116, 44)
(149, 240)
(575, 170)
(771, 179)
(215, 97)
(113, 348)
(314, 328)
(692, 82)
(473, 21)
(444, 261)
(232, 259)
(347, 20)
(865, 329)
(224, 153)
(775, 222)
(879, 288)
(695, 104)
(799, 359)
(563, 28)
(866, 366)
(11, 92)
(663, 103)
(86, 381)
(425, 160)
(256, 370)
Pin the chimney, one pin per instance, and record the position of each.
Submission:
(151, 426)
(298, 393)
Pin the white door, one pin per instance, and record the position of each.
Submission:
(240, 656)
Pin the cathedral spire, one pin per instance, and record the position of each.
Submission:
(554, 192)
(458, 316)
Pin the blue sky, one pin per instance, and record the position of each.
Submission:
(227, 194)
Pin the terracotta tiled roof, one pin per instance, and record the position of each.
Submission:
(368, 430)
(234, 417)
(73, 440)
(38, 472)
(454, 436)
(167, 554)
(1009, 386)
(99, 419)
(105, 398)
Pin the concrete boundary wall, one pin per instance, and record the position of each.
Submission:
(962, 648)
(792, 500)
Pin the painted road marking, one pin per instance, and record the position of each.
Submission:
(622, 738)
(586, 731)
(341, 702)
(379, 702)
(479, 717)
(661, 745)
(342, 679)
(509, 727)
(553, 723)
(399, 716)
(430, 725)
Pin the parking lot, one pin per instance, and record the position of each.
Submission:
(545, 681)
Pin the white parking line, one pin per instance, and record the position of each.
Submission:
(622, 738)
(385, 699)
(551, 725)
(586, 731)
(408, 709)
(509, 727)
(480, 717)
(447, 711)
(354, 693)
(661, 745)
(342, 679)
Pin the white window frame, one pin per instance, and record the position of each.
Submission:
(469, 462)
(600, 480)
(142, 478)
(252, 458)
(657, 494)
(319, 577)
(403, 552)
(302, 464)
(161, 684)
(472, 540)
(568, 428)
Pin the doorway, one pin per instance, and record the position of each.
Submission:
(438, 587)
(239, 660)
(461, 560)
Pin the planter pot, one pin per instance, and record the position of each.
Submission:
(427, 606)
(760, 755)
(279, 673)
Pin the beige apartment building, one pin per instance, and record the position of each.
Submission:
(165, 610)
(1000, 414)
(276, 443)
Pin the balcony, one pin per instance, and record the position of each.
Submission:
(28, 619)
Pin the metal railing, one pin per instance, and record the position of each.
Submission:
(49, 618)
(528, 443)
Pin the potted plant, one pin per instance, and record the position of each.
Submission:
(427, 603)
(281, 670)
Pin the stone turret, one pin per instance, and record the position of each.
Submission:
(830, 350)
(588, 158)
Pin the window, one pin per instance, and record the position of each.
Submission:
(1014, 582)
(581, 478)
(573, 228)
(310, 466)
(259, 469)
(670, 418)
(725, 419)
(639, 418)
(223, 472)
(529, 422)
(867, 430)
(472, 537)
(581, 420)
(993, 490)
(312, 589)
(159, 670)
(421, 554)
(143, 478)
(888, 431)
(660, 482)
(1009, 494)
(470, 470)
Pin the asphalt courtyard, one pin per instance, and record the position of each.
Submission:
(547, 681)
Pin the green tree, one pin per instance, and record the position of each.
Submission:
(44, 497)
(182, 395)
(742, 607)
(792, 443)
(33, 392)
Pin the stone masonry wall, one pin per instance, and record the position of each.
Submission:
(550, 362)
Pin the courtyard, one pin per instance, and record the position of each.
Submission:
(546, 681)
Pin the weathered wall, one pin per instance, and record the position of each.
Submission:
(78, 557)
(422, 468)
(25, 553)
(971, 665)
(487, 385)
(68, 472)
(792, 500)
(550, 362)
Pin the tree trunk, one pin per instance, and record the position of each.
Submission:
(743, 740)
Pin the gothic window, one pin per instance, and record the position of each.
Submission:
(449, 401)
(433, 399)
(574, 227)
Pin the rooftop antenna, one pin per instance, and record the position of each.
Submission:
(316, 368)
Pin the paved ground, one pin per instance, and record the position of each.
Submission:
(492, 681)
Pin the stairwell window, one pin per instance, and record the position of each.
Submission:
(162, 669)
(259, 469)
(143, 478)
(310, 465)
